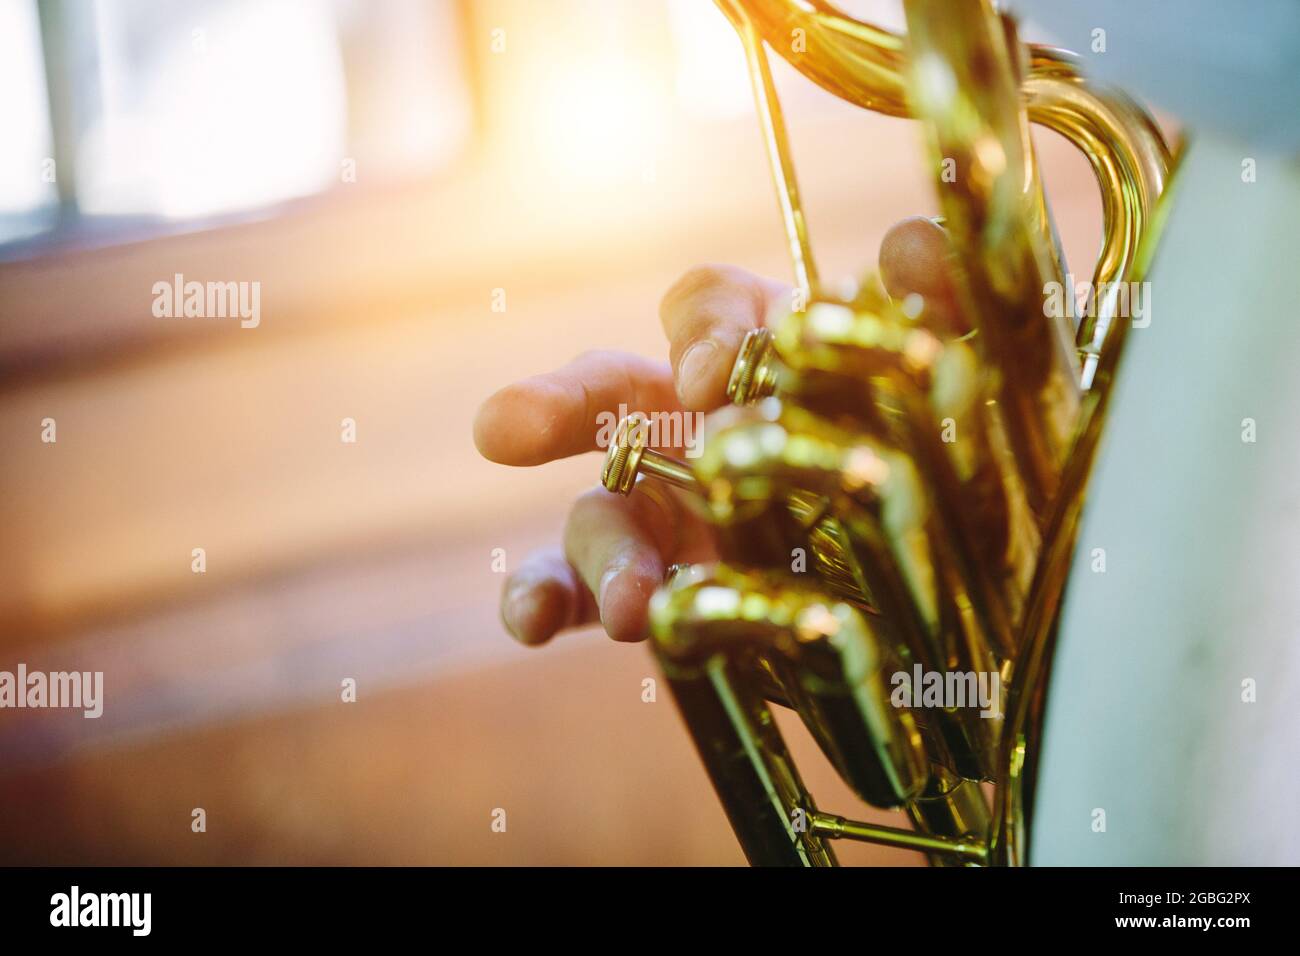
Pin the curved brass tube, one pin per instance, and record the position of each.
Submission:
(935, 396)
(707, 629)
(867, 66)
(948, 554)
(892, 531)
(835, 668)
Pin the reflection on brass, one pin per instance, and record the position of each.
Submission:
(627, 455)
(754, 374)
(900, 501)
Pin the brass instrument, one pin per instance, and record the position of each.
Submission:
(934, 482)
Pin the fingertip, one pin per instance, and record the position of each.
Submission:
(705, 315)
(515, 425)
(485, 430)
(917, 258)
(534, 613)
(625, 598)
(912, 254)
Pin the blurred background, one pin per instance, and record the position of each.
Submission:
(392, 173)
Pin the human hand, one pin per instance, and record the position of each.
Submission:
(616, 549)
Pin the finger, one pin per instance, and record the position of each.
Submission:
(619, 547)
(560, 413)
(705, 316)
(544, 596)
(917, 258)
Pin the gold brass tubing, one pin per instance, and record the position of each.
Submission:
(903, 362)
(856, 61)
(766, 681)
(829, 546)
(965, 88)
(627, 459)
(833, 558)
(753, 376)
(1143, 135)
(865, 65)
(780, 459)
(1130, 163)
(951, 807)
(836, 668)
(876, 494)
(778, 149)
(903, 533)
(1022, 727)
(838, 828)
(1039, 218)
(667, 469)
(872, 338)
(628, 456)
(747, 760)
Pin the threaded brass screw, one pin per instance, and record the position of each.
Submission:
(628, 456)
(753, 377)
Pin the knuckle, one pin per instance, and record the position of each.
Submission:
(592, 497)
(584, 518)
(589, 356)
(694, 283)
(657, 512)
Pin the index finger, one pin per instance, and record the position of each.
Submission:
(705, 316)
(561, 413)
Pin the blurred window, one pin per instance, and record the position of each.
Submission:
(158, 112)
(27, 192)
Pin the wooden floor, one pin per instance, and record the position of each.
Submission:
(585, 771)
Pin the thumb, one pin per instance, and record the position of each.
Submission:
(917, 258)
